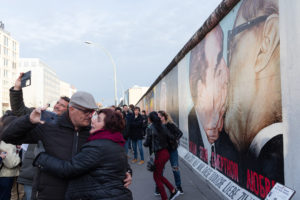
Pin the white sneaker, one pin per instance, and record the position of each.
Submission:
(174, 195)
(180, 190)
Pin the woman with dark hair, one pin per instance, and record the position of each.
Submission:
(176, 132)
(98, 170)
(157, 141)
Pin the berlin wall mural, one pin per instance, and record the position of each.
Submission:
(225, 95)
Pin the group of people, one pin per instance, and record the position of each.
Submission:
(82, 153)
(136, 124)
(78, 156)
(161, 135)
(163, 139)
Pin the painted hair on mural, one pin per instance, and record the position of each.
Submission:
(199, 63)
(255, 8)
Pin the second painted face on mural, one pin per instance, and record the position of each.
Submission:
(209, 79)
(254, 95)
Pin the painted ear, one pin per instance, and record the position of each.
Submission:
(269, 43)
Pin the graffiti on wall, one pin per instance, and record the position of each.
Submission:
(233, 103)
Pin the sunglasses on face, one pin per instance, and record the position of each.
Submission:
(232, 33)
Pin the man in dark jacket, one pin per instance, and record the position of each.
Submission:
(136, 133)
(62, 140)
(145, 121)
(127, 114)
(18, 107)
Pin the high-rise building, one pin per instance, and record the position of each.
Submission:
(9, 58)
(132, 95)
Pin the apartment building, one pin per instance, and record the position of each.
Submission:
(9, 62)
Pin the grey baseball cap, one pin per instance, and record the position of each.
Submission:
(84, 99)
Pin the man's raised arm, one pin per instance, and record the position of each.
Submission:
(16, 99)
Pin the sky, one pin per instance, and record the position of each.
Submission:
(142, 37)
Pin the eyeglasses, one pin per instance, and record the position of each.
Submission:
(85, 111)
(239, 29)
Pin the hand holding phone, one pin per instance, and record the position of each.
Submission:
(26, 79)
(48, 117)
(35, 116)
(18, 82)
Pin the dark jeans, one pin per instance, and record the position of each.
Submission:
(161, 158)
(138, 143)
(6, 184)
(127, 145)
(175, 167)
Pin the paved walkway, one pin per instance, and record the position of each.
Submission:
(143, 186)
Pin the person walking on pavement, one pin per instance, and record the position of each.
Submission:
(131, 111)
(145, 121)
(27, 171)
(101, 163)
(136, 134)
(62, 139)
(127, 116)
(174, 130)
(157, 141)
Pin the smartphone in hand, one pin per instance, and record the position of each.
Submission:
(48, 117)
(26, 79)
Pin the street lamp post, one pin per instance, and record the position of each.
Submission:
(114, 67)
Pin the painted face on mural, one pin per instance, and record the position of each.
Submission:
(254, 98)
(211, 87)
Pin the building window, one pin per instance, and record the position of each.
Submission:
(5, 62)
(5, 40)
(14, 46)
(5, 73)
(5, 51)
(5, 83)
(14, 65)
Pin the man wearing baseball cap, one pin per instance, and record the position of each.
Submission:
(62, 139)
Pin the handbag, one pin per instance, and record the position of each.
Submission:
(151, 165)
